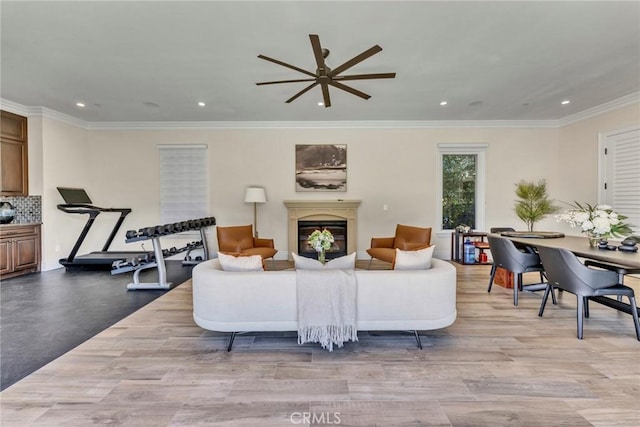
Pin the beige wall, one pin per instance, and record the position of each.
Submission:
(65, 163)
(578, 155)
(396, 167)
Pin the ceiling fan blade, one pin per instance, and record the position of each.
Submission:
(302, 92)
(285, 81)
(350, 90)
(284, 64)
(317, 53)
(355, 60)
(325, 95)
(366, 76)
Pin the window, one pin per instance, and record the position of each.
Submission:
(183, 182)
(462, 182)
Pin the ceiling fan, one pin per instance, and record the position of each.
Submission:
(325, 77)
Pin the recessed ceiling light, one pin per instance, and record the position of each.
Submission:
(565, 102)
(201, 104)
(443, 103)
(80, 104)
(320, 104)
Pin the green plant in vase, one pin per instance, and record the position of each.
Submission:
(321, 242)
(533, 202)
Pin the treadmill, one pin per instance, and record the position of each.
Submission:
(77, 201)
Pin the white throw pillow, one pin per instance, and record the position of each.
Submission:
(347, 262)
(240, 263)
(414, 260)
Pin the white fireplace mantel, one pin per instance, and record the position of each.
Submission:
(322, 210)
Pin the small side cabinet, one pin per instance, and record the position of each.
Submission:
(19, 249)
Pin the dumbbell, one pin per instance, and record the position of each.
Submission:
(146, 232)
(168, 229)
(131, 234)
(173, 250)
(177, 227)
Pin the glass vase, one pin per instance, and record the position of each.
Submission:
(594, 239)
(321, 256)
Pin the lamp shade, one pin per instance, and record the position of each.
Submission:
(255, 195)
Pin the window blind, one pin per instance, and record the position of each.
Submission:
(183, 182)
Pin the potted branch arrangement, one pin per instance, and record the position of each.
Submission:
(533, 202)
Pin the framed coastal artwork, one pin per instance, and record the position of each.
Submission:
(321, 167)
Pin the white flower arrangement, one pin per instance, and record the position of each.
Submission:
(598, 220)
(320, 240)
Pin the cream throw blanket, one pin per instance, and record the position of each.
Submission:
(326, 307)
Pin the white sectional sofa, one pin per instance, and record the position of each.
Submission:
(416, 300)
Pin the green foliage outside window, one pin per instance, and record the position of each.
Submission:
(458, 190)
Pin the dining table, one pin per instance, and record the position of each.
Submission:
(618, 259)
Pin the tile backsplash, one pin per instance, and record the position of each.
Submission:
(28, 209)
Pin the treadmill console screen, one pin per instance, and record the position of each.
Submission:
(74, 196)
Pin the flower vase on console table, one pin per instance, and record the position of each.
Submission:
(321, 255)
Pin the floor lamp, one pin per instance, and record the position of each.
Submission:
(255, 195)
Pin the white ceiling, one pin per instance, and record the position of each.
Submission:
(141, 61)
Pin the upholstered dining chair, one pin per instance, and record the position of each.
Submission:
(407, 238)
(565, 271)
(496, 230)
(239, 240)
(506, 255)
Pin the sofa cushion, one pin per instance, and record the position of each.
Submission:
(347, 262)
(413, 260)
(240, 263)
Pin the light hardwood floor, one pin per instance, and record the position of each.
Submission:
(497, 365)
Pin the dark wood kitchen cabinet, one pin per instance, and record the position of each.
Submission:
(14, 170)
(19, 249)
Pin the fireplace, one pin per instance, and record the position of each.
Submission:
(337, 228)
(322, 211)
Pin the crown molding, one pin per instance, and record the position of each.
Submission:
(363, 124)
(23, 110)
(53, 114)
(377, 124)
(14, 107)
(632, 98)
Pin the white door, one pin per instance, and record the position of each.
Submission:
(621, 185)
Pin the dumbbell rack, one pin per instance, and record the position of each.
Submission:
(154, 234)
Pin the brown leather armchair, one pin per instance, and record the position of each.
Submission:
(407, 238)
(239, 240)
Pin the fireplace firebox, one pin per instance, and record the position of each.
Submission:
(337, 228)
